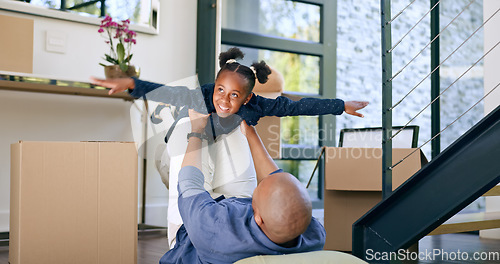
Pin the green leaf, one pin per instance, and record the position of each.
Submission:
(127, 60)
(102, 65)
(123, 66)
(120, 51)
(111, 59)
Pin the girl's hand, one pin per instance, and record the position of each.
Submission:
(246, 129)
(198, 121)
(351, 107)
(116, 85)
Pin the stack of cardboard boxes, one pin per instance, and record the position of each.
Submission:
(73, 202)
(353, 185)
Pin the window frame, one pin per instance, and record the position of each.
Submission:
(325, 49)
(26, 8)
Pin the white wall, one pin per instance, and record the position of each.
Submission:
(491, 79)
(163, 58)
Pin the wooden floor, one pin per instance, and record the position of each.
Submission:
(4, 255)
(153, 245)
(455, 243)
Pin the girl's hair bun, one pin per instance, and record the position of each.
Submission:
(259, 70)
(232, 53)
(262, 71)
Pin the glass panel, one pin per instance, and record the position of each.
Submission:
(470, 87)
(137, 11)
(54, 4)
(302, 169)
(279, 18)
(359, 68)
(300, 130)
(301, 72)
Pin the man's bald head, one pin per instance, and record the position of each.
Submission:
(282, 207)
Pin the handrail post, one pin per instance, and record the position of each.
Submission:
(385, 8)
(435, 80)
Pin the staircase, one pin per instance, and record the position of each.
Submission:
(467, 169)
(471, 221)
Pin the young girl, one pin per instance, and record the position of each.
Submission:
(228, 165)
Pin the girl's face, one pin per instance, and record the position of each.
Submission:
(229, 93)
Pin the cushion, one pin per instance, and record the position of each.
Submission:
(316, 257)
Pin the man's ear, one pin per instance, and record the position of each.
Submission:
(258, 219)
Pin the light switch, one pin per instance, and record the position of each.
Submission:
(55, 41)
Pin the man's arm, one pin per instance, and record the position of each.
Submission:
(190, 181)
(197, 208)
(193, 151)
(264, 164)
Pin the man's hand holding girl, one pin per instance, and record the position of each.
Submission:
(198, 121)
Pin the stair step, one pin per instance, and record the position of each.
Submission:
(468, 222)
(495, 191)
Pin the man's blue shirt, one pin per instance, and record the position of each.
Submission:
(224, 230)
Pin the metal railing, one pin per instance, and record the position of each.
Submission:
(388, 77)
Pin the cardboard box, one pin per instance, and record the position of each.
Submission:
(16, 47)
(73, 202)
(353, 185)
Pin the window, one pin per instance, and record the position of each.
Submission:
(302, 169)
(297, 38)
(279, 18)
(136, 10)
(143, 14)
(301, 71)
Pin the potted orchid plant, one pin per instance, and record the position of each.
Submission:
(120, 40)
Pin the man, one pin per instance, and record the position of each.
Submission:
(277, 220)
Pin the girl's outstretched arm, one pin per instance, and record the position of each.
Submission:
(136, 87)
(116, 85)
(260, 106)
(174, 95)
